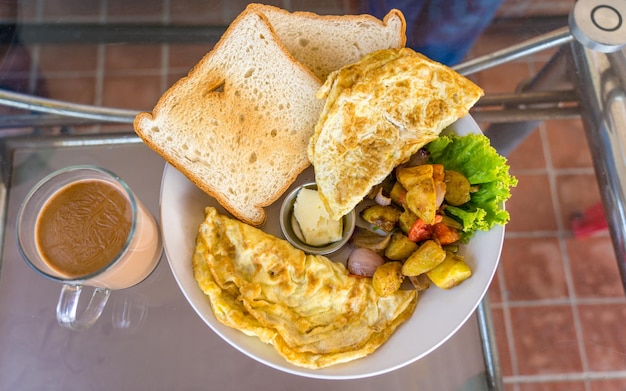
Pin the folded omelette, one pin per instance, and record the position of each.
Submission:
(308, 307)
(378, 112)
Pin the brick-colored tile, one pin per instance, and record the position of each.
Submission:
(131, 92)
(8, 11)
(72, 11)
(505, 80)
(576, 192)
(568, 144)
(185, 56)
(77, 90)
(533, 269)
(594, 267)
(174, 77)
(529, 154)
(608, 385)
(575, 385)
(504, 352)
(489, 43)
(210, 12)
(545, 340)
(132, 57)
(510, 387)
(136, 11)
(26, 11)
(604, 336)
(495, 295)
(68, 58)
(530, 205)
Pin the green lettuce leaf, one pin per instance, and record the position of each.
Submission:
(474, 157)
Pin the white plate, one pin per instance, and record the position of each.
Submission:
(439, 313)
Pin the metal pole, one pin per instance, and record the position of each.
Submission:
(68, 109)
(602, 81)
(553, 39)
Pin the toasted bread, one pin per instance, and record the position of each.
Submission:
(239, 123)
(325, 43)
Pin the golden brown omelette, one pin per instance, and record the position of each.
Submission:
(308, 307)
(378, 112)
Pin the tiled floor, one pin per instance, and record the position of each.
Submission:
(558, 305)
(557, 301)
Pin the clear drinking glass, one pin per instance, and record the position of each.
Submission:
(138, 257)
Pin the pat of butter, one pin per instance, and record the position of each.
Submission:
(316, 225)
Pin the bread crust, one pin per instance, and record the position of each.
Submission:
(333, 41)
(249, 205)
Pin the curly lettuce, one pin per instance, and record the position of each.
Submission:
(486, 170)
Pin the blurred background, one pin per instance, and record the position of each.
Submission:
(557, 300)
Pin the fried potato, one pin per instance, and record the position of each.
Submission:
(384, 217)
(412, 176)
(457, 188)
(421, 195)
(387, 278)
(400, 247)
(451, 272)
(427, 256)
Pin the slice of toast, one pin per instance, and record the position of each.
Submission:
(325, 43)
(239, 123)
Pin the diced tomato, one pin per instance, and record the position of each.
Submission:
(444, 234)
(421, 231)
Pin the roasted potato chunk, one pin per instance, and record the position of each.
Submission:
(398, 194)
(426, 257)
(387, 278)
(421, 199)
(400, 247)
(421, 195)
(457, 188)
(407, 219)
(451, 272)
(384, 217)
(410, 176)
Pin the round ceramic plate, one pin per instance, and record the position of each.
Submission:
(439, 313)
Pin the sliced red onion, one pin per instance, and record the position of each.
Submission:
(381, 199)
(363, 262)
(440, 192)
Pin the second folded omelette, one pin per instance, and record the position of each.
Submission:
(378, 112)
(309, 308)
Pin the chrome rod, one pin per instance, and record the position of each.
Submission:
(507, 116)
(531, 97)
(490, 348)
(602, 82)
(42, 120)
(68, 109)
(546, 41)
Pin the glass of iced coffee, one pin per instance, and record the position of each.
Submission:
(82, 226)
